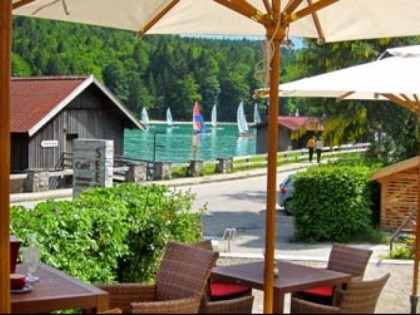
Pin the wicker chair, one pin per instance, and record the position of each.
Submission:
(239, 303)
(179, 286)
(342, 258)
(360, 297)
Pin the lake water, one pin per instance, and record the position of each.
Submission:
(179, 144)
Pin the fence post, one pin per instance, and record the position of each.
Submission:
(162, 170)
(136, 173)
(225, 165)
(37, 180)
(196, 168)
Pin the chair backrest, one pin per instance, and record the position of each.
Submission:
(349, 259)
(184, 271)
(361, 297)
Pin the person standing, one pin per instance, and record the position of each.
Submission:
(311, 147)
(318, 149)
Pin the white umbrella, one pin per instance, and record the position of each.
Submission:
(393, 78)
(347, 19)
(329, 20)
(385, 78)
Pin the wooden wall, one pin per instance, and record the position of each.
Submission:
(262, 140)
(399, 194)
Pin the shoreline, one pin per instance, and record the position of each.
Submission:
(163, 122)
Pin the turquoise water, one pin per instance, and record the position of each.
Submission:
(177, 144)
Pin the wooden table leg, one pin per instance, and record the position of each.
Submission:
(278, 302)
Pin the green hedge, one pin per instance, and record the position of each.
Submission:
(110, 234)
(332, 203)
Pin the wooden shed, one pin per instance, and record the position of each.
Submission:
(399, 192)
(301, 126)
(48, 113)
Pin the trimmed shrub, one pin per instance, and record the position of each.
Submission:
(332, 203)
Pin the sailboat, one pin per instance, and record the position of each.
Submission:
(199, 126)
(257, 117)
(241, 121)
(214, 116)
(169, 119)
(145, 117)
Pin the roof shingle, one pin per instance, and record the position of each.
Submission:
(34, 98)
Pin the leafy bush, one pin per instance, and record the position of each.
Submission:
(332, 203)
(110, 234)
(401, 252)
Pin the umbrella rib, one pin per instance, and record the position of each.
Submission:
(343, 96)
(21, 3)
(244, 8)
(291, 6)
(157, 17)
(310, 9)
(404, 103)
(317, 23)
(267, 5)
(276, 6)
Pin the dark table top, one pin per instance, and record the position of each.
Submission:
(291, 278)
(57, 291)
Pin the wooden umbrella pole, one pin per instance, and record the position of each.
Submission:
(5, 64)
(414, 297)
(273, 113)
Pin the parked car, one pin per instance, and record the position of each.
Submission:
(285, 194)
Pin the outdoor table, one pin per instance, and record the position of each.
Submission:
(58, 291)
(291, 278)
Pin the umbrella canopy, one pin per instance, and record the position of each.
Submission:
(392, 77)
(347, 19)
(328, 20)
(382, 79)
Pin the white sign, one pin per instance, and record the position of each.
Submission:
(49, 143)
(92, 164)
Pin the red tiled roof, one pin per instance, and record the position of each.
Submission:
(32, 99)
(297, 122)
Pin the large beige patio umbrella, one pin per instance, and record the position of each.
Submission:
(328, 20)
(393, 77)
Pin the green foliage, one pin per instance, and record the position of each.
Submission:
(332, 203)
(110, 234)
(401, 252)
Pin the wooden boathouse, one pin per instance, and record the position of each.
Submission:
(48, 113)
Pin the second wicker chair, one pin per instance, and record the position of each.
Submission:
(360, 297)
(343, 258)
(240, 301)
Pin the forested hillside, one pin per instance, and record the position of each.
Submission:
(153, 72)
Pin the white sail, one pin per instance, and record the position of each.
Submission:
(169, 119)
(214, 116)
(241, 120)
(257, 117)
(145, 117)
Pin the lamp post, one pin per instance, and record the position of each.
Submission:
(155, 145)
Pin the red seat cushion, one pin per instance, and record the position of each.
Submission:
(325, 291)
(225, 291)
